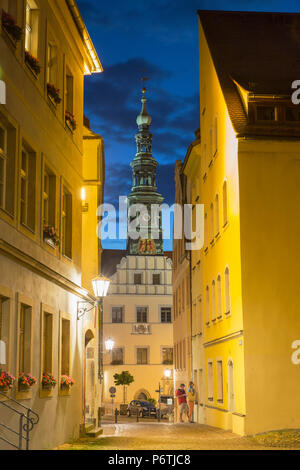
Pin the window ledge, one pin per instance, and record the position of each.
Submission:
(228, 313)
(210, 399)
(11, 41)
(34, 74)
(206, 250)
(225, 225)
(210, 163)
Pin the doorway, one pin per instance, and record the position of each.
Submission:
(89, 378)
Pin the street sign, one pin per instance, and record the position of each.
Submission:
(112, 396)
(112, 390)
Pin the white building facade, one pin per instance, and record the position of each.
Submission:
(138, 317)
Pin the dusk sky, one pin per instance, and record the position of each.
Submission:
(159, 39)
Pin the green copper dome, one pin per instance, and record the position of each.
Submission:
(144, 119)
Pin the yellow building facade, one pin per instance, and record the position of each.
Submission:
(246, 174)
(45, 51)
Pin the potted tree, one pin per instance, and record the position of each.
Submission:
(124, 379)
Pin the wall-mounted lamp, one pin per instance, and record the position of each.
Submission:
(100, 286)
(109, 344)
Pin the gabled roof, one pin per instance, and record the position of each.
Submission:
(259, 51)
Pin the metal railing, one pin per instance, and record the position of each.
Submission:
(27, 420)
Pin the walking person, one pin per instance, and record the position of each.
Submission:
(191, 397)
(182, 403)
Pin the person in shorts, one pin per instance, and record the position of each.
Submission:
(182, 403)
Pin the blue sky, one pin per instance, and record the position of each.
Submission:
(159, 39)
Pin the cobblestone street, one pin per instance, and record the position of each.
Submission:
(154, 436)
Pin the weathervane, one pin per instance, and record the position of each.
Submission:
(144, 80)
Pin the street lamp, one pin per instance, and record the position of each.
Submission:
(109, 344)
(100, 286)
(168, 373)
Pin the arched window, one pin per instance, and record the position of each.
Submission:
(207, 305)
(225, 203)
(219, 297)
(217, 215)
(212, 233)
(213, 301)
(227, 292)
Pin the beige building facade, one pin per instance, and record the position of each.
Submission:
(138, 317)
(42, 173)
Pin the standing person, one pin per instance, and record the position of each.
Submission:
(191, 396)
(182, 403)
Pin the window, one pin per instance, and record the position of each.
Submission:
(28, 182)
(184, 354)
(142, 355)
(24, 340)
(52, 75)
(227, 292)
(217, 215)
(69, 92)
(212, 233)
(3, 164)
(200, 387)
(49, 198)
(142, 315)
(210, 381)
(67, 223)
(10, 6)
(204, 160)
(219, 297)
(137, 279)
(47, 342)
(5, 328)
(225, 204)
(31, 28)
(220, 381)
(7, 166)
(117, 315)
(117, 356)
(211, 146)
(167, 356)
(213, 301)
(215, 148)
(205, 231)
(292, 114)
(207, 305)
(65, 341)
(265, 113)
(166, 315)
(156, 279)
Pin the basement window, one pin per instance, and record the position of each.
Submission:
(292, 114)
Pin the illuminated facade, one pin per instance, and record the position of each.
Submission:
(138, 313)
(47, 156)
(246, 173)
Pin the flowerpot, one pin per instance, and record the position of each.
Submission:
(65, 387)
(47, 388)
(23, 388)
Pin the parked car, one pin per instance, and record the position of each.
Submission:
(142, 408)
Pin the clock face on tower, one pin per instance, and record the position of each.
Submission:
(146, 247)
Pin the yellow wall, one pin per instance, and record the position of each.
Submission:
(270, 200)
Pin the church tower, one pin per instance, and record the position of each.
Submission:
(144, 191)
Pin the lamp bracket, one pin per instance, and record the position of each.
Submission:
(83, 308)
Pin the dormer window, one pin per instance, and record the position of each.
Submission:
(292, 114)
(265, 113)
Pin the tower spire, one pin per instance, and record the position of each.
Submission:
(144, 189)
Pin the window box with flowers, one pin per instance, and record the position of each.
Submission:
(6, 381)
(53, 94)
(11, 28)
(48, 382)
(50, 236)
(66, 382)
(25, 382)
(70, 121)
(33, 63)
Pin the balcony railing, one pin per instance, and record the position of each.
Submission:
(141, 329)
